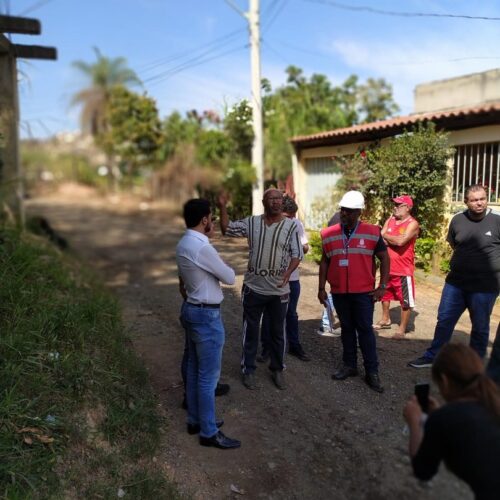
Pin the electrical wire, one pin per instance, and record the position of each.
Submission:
(35, 6)
(193, 60)
(365, 8)
(271, 6)
(274, 17)
(265, 43)
(188, 65)
(7, 7)
(389, 63)
(168, 59)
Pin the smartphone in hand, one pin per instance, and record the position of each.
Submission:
(422, 393)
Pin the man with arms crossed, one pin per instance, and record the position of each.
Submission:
(400, 232)
(473, 282)
(275, 252)
(200, 271)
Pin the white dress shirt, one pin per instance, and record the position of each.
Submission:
(295, 276)
(201, 269)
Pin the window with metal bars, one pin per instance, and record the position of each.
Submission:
(476, 164)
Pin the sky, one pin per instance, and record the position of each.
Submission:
(194, 54)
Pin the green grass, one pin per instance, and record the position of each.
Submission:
(77, 415)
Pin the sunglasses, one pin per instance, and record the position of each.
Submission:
(348, 210)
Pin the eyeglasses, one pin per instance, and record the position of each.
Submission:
(274, 198)
(348, 210)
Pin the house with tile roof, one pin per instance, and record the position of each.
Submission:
(467, 107)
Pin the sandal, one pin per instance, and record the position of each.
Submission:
(382, 326)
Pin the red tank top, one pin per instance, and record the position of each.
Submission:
(402, 258)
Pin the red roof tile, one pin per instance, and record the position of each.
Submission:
(400, 122)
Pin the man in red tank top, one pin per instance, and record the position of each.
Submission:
(400, 232)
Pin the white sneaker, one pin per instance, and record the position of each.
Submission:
(328, 332)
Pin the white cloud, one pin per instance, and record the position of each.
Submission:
(422, 58)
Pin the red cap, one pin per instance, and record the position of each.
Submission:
(404, 199)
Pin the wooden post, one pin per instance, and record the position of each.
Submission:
(11, 174)
(11, 185)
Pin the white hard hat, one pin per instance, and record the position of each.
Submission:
(352, 199)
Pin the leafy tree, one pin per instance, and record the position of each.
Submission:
(134, 128)
(218, 152)
(375, 100)
(178, 131)
(305, 106)
(103, 75)
(238, 127)
(415, 163)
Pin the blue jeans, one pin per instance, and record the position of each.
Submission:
(493, 369)
(205, 334)
(292, 321)
(355, 312)
(454, 301)
(325, 322)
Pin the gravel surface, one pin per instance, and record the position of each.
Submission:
(317, 439)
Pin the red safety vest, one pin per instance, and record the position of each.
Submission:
(359, 275)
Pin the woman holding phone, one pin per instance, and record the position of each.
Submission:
(465, 431)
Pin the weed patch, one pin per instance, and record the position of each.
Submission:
(76, 410)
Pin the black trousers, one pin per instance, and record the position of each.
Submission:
(254, 305)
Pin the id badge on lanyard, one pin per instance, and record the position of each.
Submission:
(345, 262)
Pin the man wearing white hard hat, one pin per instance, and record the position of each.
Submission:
(348, 264)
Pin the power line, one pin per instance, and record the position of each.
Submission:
(189, 65)
(182, 65)
(302, 49)
(271, 6)
(275, 16)
(281, 56)
(365, 8)
(35, 6)
(165, 60)
(389, 63)
(457, 59)
(7, 7)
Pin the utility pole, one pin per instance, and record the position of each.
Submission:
(258, 140)
(253, 18)
(11, 172)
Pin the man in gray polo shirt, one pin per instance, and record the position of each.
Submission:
(275, 252)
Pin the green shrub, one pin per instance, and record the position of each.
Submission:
(424, 251)
(414, 163)
(315, 247)
(444, 265)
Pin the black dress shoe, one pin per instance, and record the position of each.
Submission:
(222, 389)
(373, 381)
(279, 380)
(195, 428)
(299, 353)
(344, 372)
(249, 381)
(220, 441)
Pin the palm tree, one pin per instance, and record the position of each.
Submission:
(104, 74)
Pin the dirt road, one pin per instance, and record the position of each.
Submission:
(319, 438)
